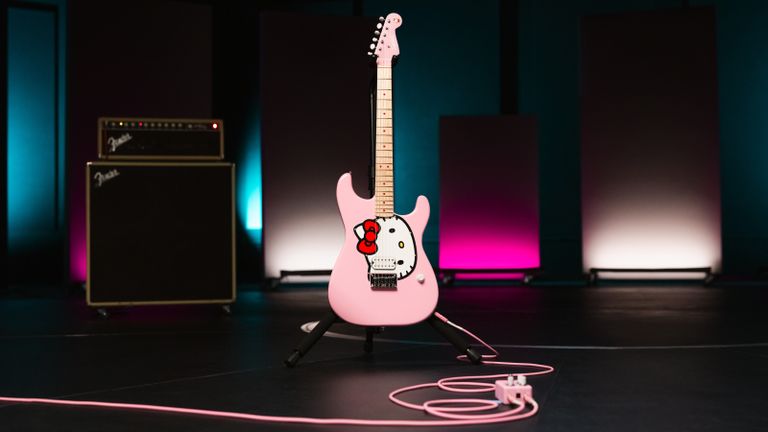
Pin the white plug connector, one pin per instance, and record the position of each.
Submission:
(513, 390)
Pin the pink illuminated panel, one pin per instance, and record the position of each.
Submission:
(489, 207)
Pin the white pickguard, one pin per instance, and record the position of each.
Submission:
(396, 247)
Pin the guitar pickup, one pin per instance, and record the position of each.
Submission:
(383, 281)
(383, 264)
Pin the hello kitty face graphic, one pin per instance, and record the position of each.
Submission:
(388, 245)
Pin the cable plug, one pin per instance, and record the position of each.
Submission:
(513, 390)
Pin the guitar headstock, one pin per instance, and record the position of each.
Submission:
(384, 47)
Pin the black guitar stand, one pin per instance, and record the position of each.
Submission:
(445, 330)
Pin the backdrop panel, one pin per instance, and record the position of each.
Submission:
(157, 65)
(489, 194)
(35, 146)
(650, 151)
(315, 127)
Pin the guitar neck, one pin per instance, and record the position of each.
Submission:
(385, 179)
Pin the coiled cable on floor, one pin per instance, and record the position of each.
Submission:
(450, 412)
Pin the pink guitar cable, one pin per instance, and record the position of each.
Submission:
(452, 412)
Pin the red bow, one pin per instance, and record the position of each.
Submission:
(367, 244)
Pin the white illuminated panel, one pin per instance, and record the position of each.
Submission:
(311, 134)
(304, 243)
(667, 236)
(650, 150)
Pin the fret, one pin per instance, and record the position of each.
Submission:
(383, 122)
(384, 139)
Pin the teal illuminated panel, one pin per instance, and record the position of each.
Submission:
(249, 185)
(33, 206)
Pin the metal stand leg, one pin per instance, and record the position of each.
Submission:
(368, 346)
(454, 338)
(312, 338)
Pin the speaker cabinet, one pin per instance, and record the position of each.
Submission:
(160, 233)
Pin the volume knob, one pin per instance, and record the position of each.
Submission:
(420, 278)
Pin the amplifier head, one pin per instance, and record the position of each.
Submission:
(160, 139)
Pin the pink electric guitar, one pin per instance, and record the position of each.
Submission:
(382, 276)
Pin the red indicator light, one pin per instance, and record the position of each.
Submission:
(141, 124)
(215, 126)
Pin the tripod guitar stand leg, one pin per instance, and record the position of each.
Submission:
(445, 330)
(309, 340)
(454, 337)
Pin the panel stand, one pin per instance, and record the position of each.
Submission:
(445, 330)
(594, 272)
(448, 275)
(274, 283)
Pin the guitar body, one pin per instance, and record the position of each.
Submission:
(351, 292)
(382, 276)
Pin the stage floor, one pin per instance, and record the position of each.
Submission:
(630, 358)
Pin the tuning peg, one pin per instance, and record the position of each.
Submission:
(374, 39)
(373, 46)
(378, 26)
(381, 19)
(377, 32)
(370, 53)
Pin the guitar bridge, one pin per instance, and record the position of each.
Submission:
(383, 281)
